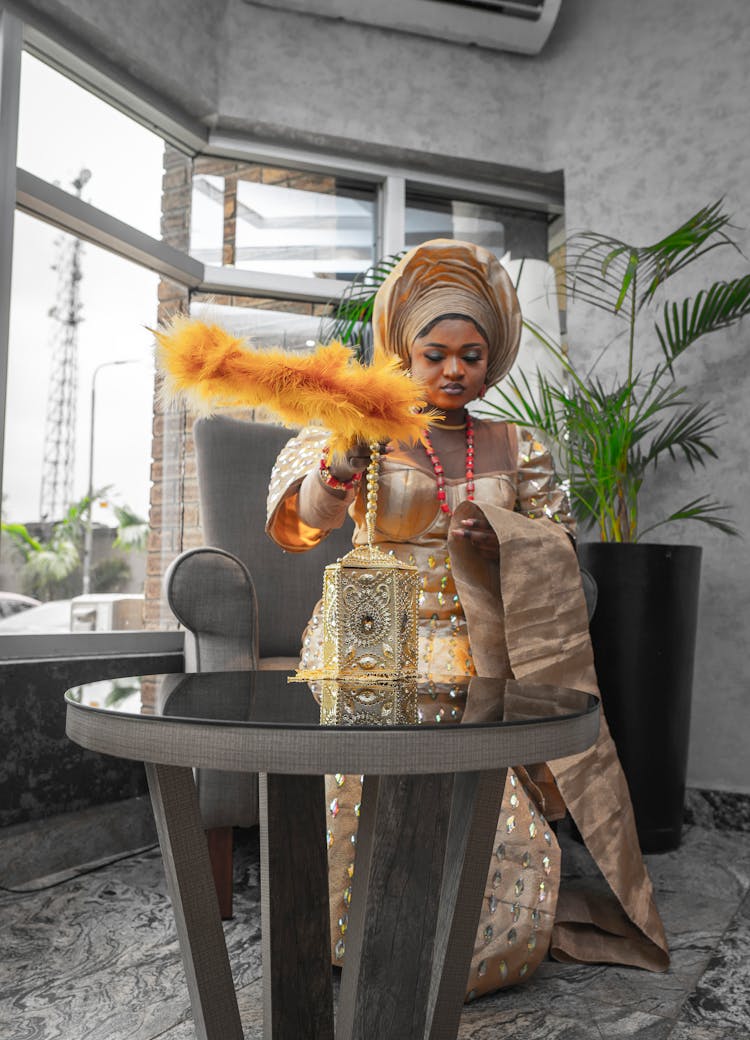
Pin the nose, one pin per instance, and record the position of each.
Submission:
(453, 367)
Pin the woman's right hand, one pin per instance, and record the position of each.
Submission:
(356, 461)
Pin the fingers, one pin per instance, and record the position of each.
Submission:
(480, 534)
(360, 453)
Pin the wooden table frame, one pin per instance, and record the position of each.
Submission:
(430, 803)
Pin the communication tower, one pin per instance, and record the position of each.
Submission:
(58, 466)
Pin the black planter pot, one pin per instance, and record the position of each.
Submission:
(643, 633)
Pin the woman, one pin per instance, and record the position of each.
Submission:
(450, 312)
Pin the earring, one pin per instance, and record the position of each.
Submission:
(482, 392)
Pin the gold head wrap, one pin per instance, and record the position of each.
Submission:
(449, 277)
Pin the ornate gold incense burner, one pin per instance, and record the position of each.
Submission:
(369, 671)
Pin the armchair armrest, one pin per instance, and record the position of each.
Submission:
(211, 593)
(590, 591)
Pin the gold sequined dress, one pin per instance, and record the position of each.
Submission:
(521, 891)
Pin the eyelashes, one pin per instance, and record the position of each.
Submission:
(469, 359)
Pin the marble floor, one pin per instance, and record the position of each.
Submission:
(93, 954)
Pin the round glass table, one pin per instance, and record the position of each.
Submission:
(440, 781)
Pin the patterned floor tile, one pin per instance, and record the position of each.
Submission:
(721, 998)
(96, 957)
(591, 1023)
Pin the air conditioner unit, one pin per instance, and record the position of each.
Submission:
(506, 25)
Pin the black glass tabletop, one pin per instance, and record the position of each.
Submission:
(268, 698)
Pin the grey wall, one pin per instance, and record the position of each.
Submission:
(642, 105)
(651, 108)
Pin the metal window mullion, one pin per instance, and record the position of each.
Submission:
(11, 36)
(50, 203)
(500, 190)
(391, 216)
(235, 281)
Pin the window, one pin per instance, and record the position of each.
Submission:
(288, 324)
(70, 137)
(67, 293)
(502, 230)
(273, 240)
(281, 221)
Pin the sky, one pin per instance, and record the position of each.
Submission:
(63, 129)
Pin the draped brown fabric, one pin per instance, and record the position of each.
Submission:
(529, 616)
(445, 276)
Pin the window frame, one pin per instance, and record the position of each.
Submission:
(32, 195)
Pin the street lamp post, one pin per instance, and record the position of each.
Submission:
(88, 531)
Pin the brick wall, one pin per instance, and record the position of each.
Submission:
(172, 467)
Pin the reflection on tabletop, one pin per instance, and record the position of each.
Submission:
(267, 698)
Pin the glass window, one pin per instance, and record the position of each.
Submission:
(287, 222)
(502, 230)
(69, 137)
(77, 330)
(264, 322)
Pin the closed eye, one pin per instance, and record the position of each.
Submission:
(470, 357)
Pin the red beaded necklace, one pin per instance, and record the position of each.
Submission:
(440, 476)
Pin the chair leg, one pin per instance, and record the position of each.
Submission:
(220, 853)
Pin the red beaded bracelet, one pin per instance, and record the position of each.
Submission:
(330, 481)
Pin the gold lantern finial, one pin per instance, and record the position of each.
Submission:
(369, 671)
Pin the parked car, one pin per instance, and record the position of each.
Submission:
(97, 612)
(46, 617)
(13, 603)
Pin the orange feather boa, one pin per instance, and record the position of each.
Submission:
(208, 368)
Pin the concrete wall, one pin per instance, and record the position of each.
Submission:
(644, 108)
(163, 46)
(650, 112)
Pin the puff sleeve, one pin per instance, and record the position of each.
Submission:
(300, 510)
(538, 492)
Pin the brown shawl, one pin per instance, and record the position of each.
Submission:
(529, 618)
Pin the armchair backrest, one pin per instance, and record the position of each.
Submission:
(234, 460)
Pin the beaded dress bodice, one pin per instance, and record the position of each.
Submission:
(411, 525)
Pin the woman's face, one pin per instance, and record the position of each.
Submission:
(451, 361)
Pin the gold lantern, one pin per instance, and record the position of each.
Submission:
(369, 669)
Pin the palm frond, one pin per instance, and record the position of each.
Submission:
(599, 271)
(688, 433)
(351, 315)
(525, 406)
(704, 509)
(602, 268)
(712, 309)
(698, 235)
(20, 536)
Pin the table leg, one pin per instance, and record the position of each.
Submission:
(196, 909)
(297, 990)
(477, 798)
(395, 905)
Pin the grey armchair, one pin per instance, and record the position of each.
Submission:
(243, 601)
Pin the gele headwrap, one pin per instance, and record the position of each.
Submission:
(445, 276)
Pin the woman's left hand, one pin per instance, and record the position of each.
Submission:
(481, 536)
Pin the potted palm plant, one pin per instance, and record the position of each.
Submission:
(611, 438)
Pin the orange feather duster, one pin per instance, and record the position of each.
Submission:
(208, 368)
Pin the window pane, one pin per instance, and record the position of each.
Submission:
(69, 330)
(287, 222)
(263, 322)
(521, 233)
(63, 129)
